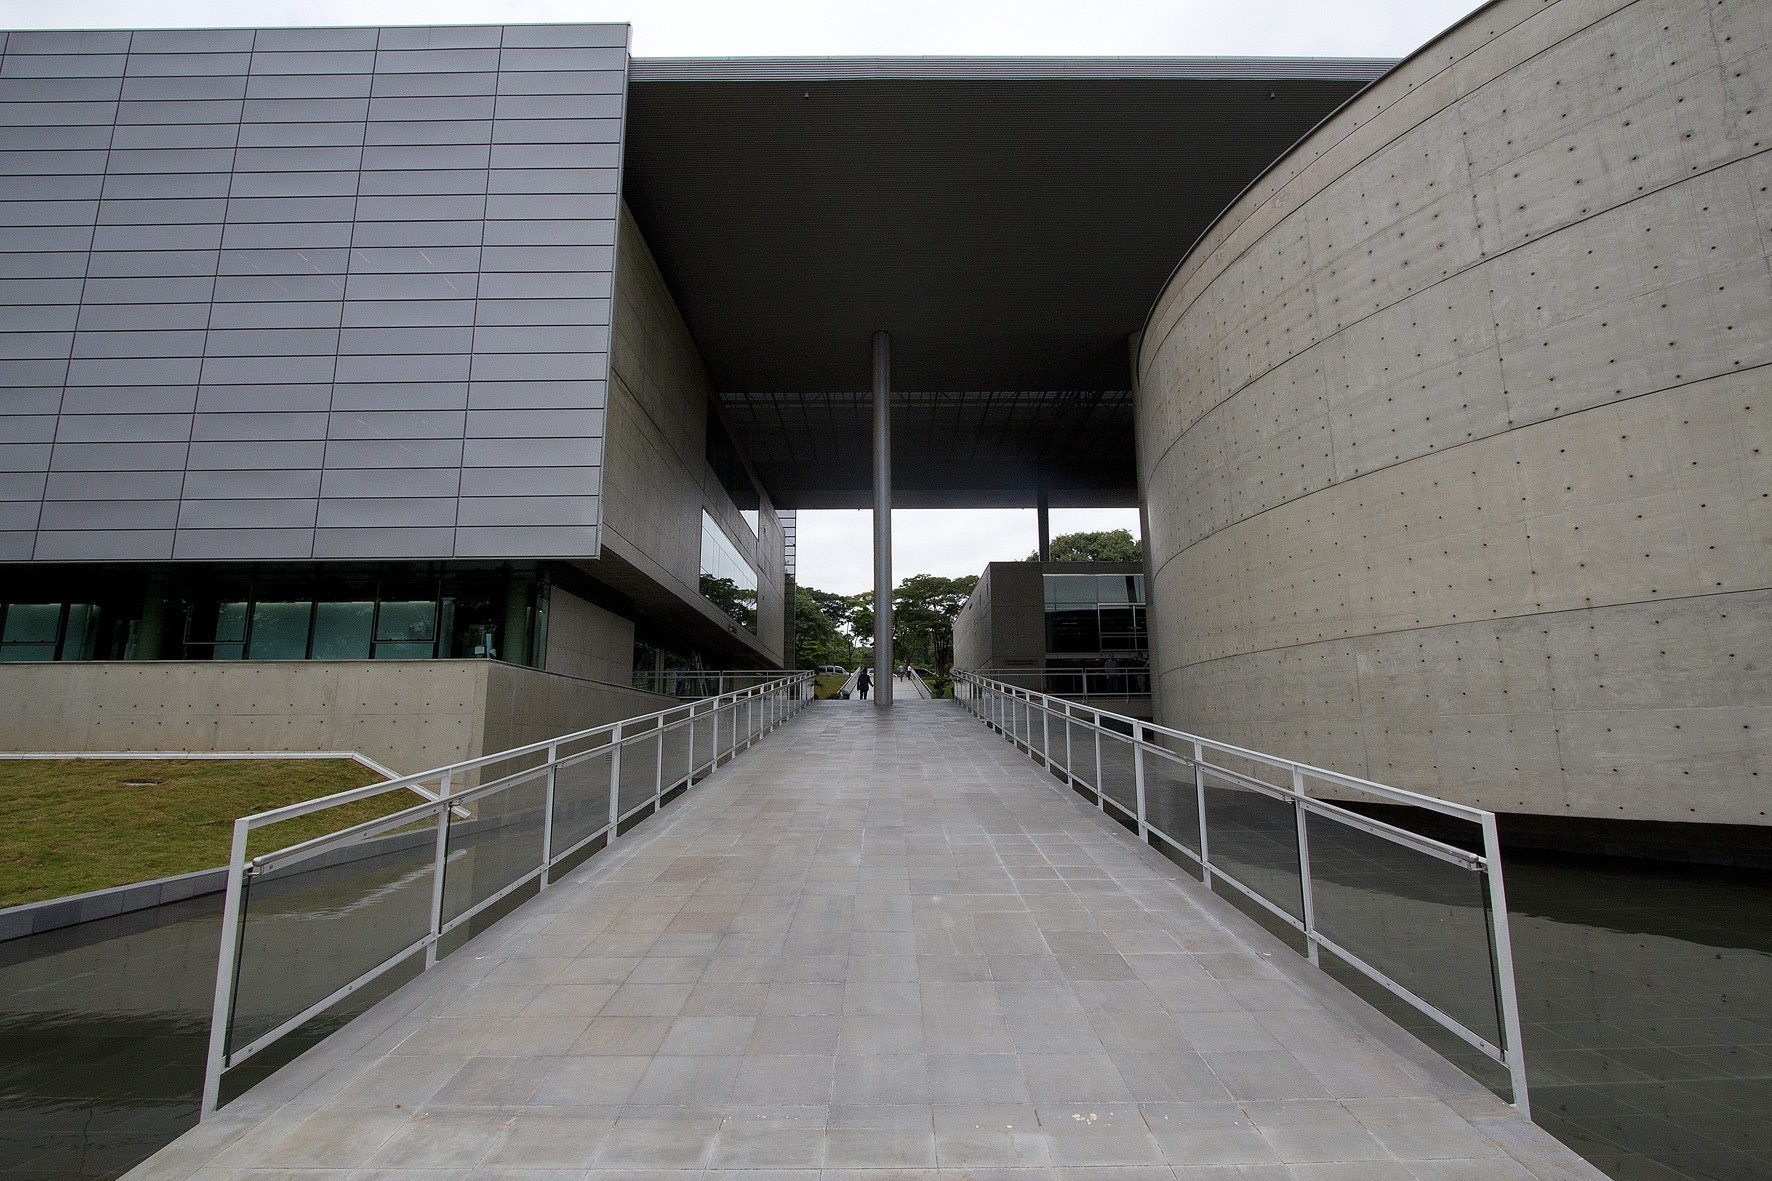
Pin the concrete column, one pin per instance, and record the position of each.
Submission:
(882, 519)
(1045, 526)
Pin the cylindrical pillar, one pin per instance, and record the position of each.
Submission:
(1045, 520)
(883, 665)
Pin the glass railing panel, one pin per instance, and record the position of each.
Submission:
(1171, 805)
(1082, 751)
(312, 927)
(1119, 776)
(581, 799)
(1420, 920)
(702, 742)
(639, 770)
(1037, 732)
(1254, 838)
(495, 844)
(676, 754)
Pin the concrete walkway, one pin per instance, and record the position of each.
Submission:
(871, 948)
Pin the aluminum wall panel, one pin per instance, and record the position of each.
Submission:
(296, 293)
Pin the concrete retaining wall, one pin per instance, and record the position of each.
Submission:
(1455, 435)
(410, 715)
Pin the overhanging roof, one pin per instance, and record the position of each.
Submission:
(1008, 221)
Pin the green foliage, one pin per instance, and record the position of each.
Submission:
(69, 826)
(818, 616)
(839, 629)
(1111, 545)
(924, 607)
(738, 602)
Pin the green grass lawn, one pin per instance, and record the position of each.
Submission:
(828, 684)
(72, 825)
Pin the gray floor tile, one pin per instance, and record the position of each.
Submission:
(877, 948)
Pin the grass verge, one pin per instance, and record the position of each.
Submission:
(72, 825)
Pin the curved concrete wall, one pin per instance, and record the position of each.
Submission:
(1456, 430)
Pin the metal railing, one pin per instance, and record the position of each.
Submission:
(1123, 684)
(695, 682)
(1423, 918)
(306, 925)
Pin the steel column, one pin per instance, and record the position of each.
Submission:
(883, 665)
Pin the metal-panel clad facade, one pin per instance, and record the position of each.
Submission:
(306, 293)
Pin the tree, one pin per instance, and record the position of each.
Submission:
(1111, 545)
(816, 638)
(924, 607)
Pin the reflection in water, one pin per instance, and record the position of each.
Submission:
(103, 1029)
(1646, 993)
(1646, 1000)
(1647, 997)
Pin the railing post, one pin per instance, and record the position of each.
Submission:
(1305, 897)
(547, 820)
(1200, 811)
(227, 972)
(1144, 826)
(690, 782)
(1100, 787)
(614, 785)
(1070, 777)
(714, 742)
(1503, 959)
(442, 861)
(658, 768)
(1046, 732)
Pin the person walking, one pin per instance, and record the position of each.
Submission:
(863, 683)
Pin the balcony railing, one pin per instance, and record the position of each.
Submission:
(1423, 918)
(306, 925)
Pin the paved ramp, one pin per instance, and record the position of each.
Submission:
(873, 943)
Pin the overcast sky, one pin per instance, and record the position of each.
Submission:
(766, 28)
(835, 548)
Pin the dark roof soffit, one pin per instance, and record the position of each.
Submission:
(815, 69)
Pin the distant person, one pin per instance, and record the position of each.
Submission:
(863, 683)
(1114, 683)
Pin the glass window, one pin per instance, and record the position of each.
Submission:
(342, 630)
(473, 624)
(1070, 590)
(1072, 631)
(218, 630)
(29, 631)
(80, 639)
(280, 630)
(406, 630)
(727, 580)
(1114, 588)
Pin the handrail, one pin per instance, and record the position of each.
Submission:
(738, 720)
(1011, 711)
(1133, 680)
(1394, 795)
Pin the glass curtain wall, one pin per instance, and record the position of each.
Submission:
(728, 581)
(1095, 632)
(310, 613)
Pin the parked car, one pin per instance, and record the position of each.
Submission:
(832, 668)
